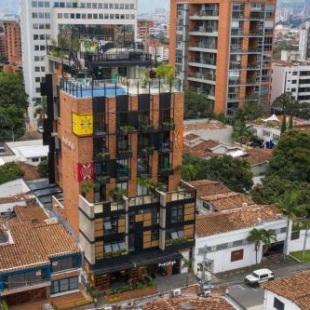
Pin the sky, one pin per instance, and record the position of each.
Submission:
(143, 5)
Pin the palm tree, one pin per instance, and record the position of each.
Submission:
(242, 131)
(269, 237)
(257, 236)
(290, 206)
(41, 109)
(287, 104)
(188, 172)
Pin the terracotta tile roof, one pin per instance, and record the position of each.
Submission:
(34, 215)
(191, 137)
(25, 250)
(215, 223)
(256, 156)
(15, 198)
(226, 201)
(30, 244)
(295, 288)
(207, 124)
(189, 303)
(56, 240)
(208, 187)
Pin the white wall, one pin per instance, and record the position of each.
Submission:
(222, 258)
(278, 82)
(269, 300)
(298, 244)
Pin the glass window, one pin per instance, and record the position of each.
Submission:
(177, 214)
(64, 285)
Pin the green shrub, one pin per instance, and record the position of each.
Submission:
(10, 171)
(43, 168)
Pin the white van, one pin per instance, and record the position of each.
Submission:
(259, 276)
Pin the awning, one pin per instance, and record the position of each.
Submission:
(133, 261)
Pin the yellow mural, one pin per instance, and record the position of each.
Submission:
(82, 125)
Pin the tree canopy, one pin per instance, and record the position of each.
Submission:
(291, 157)
(197, 106)
(12, 90)
(9, 172)
(235, 174)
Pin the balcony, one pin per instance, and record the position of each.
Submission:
(144, 170)
(102, 180)
(126, 129)
(167, 125)
(143, 200)
(124, 154)
(234, 81)
(165, 171)
(165, 147)
(146, 150)
(183, 192)
(145, 128)
(122, 175)
(104, 155)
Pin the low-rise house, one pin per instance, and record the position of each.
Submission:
(38, 258)
(224, 235)
(291, 292)
(258, 159)
(224, 202)
(214, 196)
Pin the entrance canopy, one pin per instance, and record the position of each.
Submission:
(272, 118)
(132, 261)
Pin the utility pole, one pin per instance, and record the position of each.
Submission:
(205, 262)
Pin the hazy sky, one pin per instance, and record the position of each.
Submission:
(143, 5)
(149, 5)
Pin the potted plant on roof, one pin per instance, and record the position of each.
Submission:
(117, 194)
(103, 179)
(167, 125)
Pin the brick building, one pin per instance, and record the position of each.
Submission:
(13, 48)
(223, 49)
(114, 149)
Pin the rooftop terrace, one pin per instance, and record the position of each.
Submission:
(88, 87)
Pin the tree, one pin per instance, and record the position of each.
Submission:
(166, 72)
(291, 157)
(188, 172)
(235, 174)
(12, 90)
(197, 106)
(10, 171)
(258, 236)
(12, 124)
(242, 132)
(41, 109)
(43, 168)
(291, 206)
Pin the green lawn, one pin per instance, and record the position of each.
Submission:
(298, 255)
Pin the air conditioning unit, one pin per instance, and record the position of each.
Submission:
(176, 293)
(52, 220)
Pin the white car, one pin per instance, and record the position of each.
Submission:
(40, 129)
(259, 276)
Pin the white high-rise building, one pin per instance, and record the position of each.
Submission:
(109, 20)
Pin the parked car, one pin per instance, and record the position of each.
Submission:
(40, 129)
(259, 276)
(2, 148)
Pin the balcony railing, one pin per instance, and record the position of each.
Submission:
(104, 155)
(167, 125)
(124, 154)
(146, 150)
(181, 194)
(146, 127)
(165, 171)
(143, 200)
(126, 129)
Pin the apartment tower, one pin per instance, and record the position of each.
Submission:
(13, 42)
(44, 20)
(223, 49)
(115, 148)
